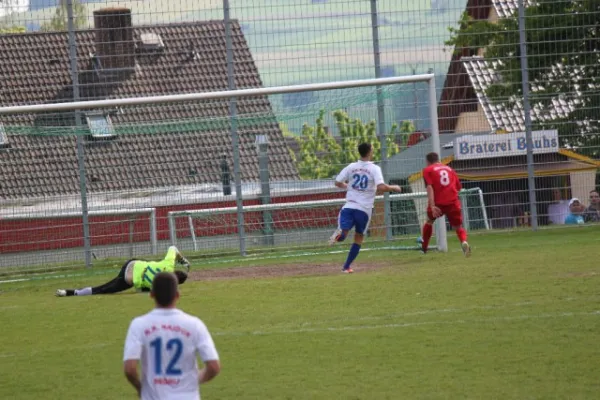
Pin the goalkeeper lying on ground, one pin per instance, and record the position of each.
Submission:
(138, 274)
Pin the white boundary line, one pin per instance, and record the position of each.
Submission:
(523, 317)
(407, 324)
(15, 280)
(54, 349)
(258, 257)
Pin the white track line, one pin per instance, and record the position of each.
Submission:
(54, 349)
(337, 329)
(435, 311)
(15, 280)
(407, 324)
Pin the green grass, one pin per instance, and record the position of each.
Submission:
(518, 320)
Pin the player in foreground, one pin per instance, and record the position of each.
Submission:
(167, 342)
(443, 187)
(362, 180)
(138, 274)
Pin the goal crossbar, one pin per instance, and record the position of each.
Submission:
(209, 212)
(224, 94)
(233, 95)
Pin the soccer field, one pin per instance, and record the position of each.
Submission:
(520, 319)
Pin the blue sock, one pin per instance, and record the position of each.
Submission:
(342, 237)
(354, 249)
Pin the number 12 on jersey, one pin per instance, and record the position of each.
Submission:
(173, 346)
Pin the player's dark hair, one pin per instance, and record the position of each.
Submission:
(164, 288)
(432, 158)
(364, 149)
(181, 276)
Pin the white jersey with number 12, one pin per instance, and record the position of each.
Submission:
(168, 343)
(363, 177)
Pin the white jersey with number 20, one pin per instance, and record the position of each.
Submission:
(168, 343)
(363, 177)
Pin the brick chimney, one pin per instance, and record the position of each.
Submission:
(115, 47)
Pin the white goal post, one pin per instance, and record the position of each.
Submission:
(221, 211)
(377, 83)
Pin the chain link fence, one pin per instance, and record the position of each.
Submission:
(80, 187)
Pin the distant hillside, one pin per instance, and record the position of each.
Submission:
(39, 4)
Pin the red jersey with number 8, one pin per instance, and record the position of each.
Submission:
(445, 183)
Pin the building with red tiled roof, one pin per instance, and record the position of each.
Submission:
(130, 148)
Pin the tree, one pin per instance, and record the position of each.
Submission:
(59, 21)
(406, 129)
(12, 29)
(563, 64)
(321, 156)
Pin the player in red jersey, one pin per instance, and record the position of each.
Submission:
(443, 187)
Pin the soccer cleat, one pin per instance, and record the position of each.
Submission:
(466, 249)
(420, 243)
(334, 238)
(347, 270)
(61, 293)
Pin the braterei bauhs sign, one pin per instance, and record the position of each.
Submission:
(503, 145)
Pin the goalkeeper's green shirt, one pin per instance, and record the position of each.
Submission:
(145, 271)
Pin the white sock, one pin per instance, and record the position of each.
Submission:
(84, 292)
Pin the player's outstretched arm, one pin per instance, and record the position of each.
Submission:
(382, 187)
(341, 185)
(210, 371)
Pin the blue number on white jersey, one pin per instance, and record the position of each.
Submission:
(360, 182)
(174, 347)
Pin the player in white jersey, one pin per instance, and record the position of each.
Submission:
(362, 180)
(167, 342)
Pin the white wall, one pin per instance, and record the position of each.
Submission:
(581, 184)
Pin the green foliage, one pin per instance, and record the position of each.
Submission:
(285, 130)
(563, 57)
(318, 151)
(59, 21)
(406, 129)
(321, 156)
(12, 29)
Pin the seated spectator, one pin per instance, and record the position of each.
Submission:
(558, 211)
(592, 213)
(576, 210)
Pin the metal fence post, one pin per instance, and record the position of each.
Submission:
(265, 189)
(387, 211)
(440, 224)
(87, 246)
(527, 111)
(235, 140)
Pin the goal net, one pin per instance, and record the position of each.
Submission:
(224, 172)
(308, 224)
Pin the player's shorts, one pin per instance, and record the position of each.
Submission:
(452, 211)
(352, 218)
(123, 271)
